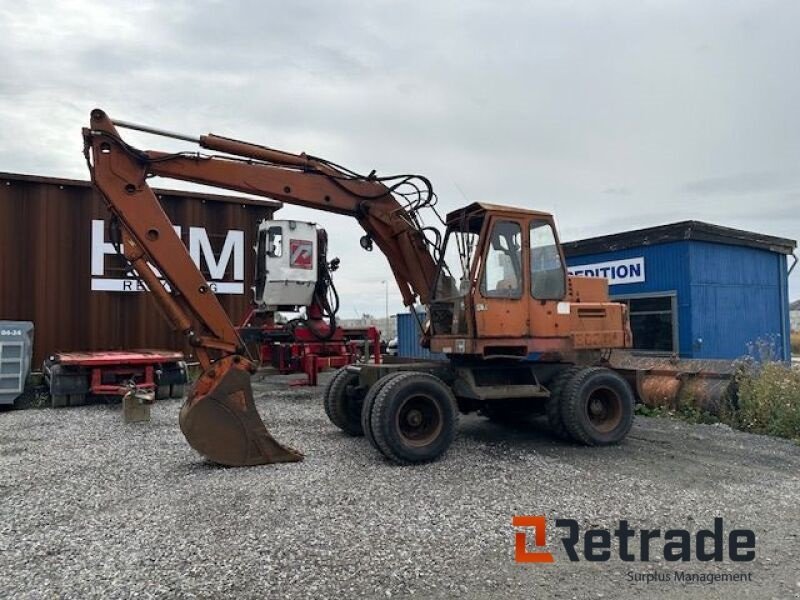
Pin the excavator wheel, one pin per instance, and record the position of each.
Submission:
(343, 402)
(553, 404)
(414, 418)
(597, 407)
(369, 401)
(220, 420)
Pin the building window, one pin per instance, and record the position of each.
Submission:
(653, 322)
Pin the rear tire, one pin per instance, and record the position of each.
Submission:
(553, 405)
(369, 401)
(342, 405)
(597, 407)
(414, 418)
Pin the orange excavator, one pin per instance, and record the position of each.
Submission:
(520, 334)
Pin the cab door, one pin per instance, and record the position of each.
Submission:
(501, 295)
(549, 314)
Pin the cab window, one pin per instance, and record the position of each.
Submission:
(502, 271)
(548, 281)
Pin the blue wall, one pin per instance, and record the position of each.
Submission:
(408, 334)
(727, 296)
(738, 295)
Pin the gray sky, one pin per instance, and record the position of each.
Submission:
(612, 115)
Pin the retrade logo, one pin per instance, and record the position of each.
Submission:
(630, 544)
(521, 554)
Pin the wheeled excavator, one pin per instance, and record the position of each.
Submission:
(520, 335)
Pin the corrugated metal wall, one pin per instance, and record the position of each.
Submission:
(408, 334)
(738, 296)
(46, 253)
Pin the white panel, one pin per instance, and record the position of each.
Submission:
(629, 270)
(292, 269)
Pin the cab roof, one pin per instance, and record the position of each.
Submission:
(478, 209)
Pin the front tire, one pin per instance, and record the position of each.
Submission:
(552, 407)
(597, 407)
(414, 418)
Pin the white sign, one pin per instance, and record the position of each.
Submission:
(199, 249)
(618, 272)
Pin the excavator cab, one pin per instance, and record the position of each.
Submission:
(502, 289)
(497, 265)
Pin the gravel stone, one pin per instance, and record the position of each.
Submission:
(91, 507)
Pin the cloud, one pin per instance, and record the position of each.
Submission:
(742, 183)
(538, 104)
(617, 191)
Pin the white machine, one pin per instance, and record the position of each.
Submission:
(286, 264)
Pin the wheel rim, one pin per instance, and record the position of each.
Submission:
(604, 409)
(419, 420)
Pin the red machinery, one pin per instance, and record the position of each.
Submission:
(293, 348)
(73, 375)
(293, 274)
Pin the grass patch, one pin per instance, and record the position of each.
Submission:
(768, 400)
(686, 413)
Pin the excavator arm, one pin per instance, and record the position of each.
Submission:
(219, 418)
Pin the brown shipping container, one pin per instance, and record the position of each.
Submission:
(58, 270)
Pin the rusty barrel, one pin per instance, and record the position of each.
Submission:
(671, 382)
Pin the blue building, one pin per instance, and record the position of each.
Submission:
(694, 289)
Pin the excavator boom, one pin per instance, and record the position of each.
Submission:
(219, 418)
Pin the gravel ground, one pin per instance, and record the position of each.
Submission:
(91, 507)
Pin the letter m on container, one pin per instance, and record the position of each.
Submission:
(521, 554)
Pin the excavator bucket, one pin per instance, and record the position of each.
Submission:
(705, 384)
(220, 420)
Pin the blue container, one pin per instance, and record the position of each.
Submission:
(408, 335)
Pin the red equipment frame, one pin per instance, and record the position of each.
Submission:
(117, 365)
(299, 350)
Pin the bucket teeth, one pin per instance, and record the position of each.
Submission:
(221, 422)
